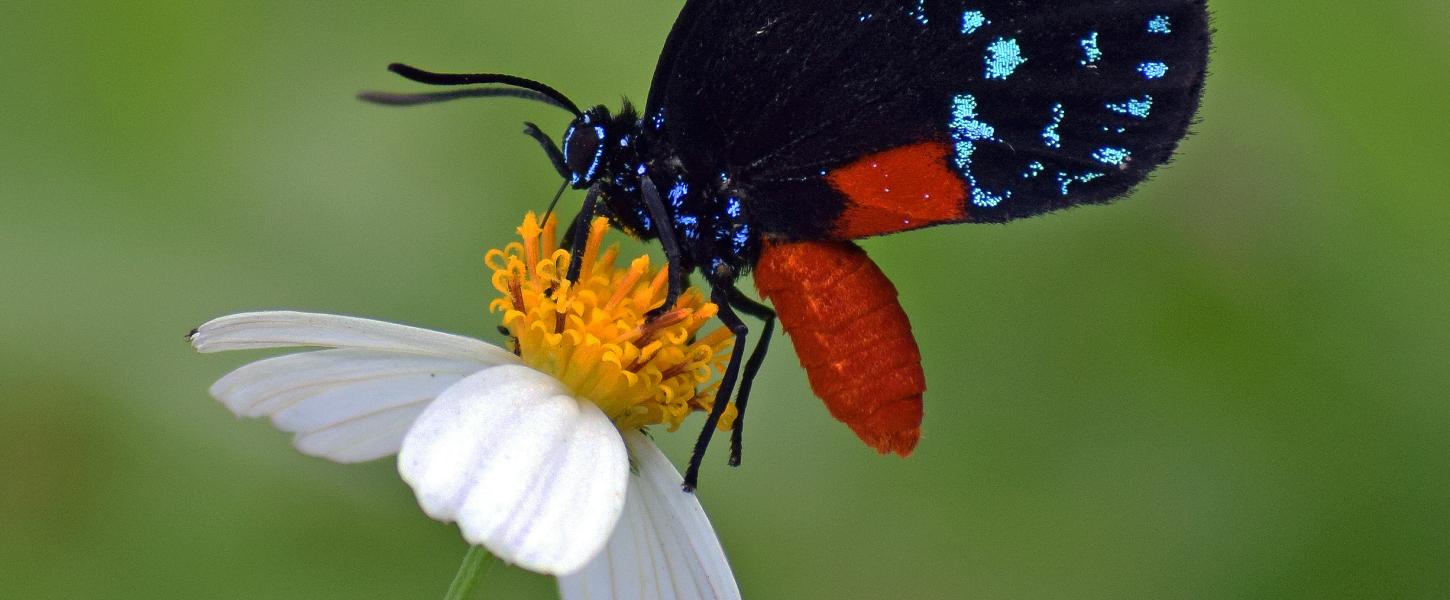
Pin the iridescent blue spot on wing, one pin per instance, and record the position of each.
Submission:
(919, 13)
(1003, 57)
(1133, 107)
(1050, 136)
(1091, 54)
(1064, 180)
(1153, 69)
(967, 130)
(965, 126)
(1112, 156)
(1159, 25)
(983, 198)
(1034, 169)
(973, 20)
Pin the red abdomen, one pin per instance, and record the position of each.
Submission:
(851, 335)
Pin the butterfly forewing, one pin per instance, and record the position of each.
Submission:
(846, 119)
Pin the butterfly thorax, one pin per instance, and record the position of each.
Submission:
(707, 212)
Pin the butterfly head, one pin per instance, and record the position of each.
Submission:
(598, 145)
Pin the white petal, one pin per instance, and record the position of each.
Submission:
(270, 386)
(663, 547)
(281, 329)
(344, 404)
(526, 470)
(349, 404)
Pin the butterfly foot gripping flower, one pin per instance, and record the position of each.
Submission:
(537, 452)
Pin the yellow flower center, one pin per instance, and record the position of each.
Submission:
(592, 335)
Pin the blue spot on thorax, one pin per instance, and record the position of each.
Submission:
(1003, 57)
(740, 241)
(689, 225)
(627, 182)
(677, 194)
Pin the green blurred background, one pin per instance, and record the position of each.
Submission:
(1230, 385)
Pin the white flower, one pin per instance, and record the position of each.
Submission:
(529, 470)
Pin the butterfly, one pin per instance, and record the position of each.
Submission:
(776, 132)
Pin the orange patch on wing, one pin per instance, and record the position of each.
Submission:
(851, 336)
(899, 189)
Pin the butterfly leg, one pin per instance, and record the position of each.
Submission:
(760, 311)
(578, 234)
(550, 148)
(673, 253)
(720, 295)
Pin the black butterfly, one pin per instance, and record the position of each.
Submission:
(777, 131)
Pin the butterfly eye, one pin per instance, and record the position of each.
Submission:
(583, 150)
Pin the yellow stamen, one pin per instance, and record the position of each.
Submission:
(591, 334)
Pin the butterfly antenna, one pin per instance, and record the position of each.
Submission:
(391, 99)
(527, 88)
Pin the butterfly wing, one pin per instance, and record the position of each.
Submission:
(849, 118)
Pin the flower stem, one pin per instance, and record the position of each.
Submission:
(469, 574)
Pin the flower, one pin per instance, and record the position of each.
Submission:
(537, 453)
